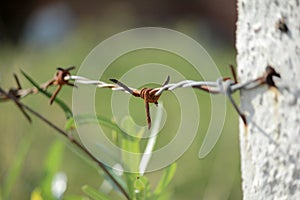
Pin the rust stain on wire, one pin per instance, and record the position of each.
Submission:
(59, 80)
(148, 94)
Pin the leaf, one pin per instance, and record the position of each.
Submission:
(75, 197)
(139, 189)
(164, 196)
(17, 165)
(146, 182)
(62, 104)
(145, 158)
(130, 178)
(117, 178)
(36, 195)
(130, 146)
(95, 194)
(51, 166)
(165, 179)
(130, 153)
(142, 188)
(89, 118)
(70, 124)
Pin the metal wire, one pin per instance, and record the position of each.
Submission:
(220, 86)
(216, 87)
(99, 84)
(224, 86)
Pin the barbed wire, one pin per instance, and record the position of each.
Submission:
(224, 86)
(215, 87)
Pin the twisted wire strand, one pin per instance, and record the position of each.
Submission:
(99, 84)
(220, 86)
(214, 86)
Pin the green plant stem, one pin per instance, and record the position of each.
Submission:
(76, 143)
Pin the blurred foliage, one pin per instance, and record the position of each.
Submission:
(51, 167)
(24, 146)
(137, 186)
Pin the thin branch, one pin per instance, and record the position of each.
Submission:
(76, 143)
(12, 94)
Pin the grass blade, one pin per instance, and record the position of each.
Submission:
(89, 118)
(16, 167)
(152, 140)
(165, 179)
(95, 194)
(51, 167)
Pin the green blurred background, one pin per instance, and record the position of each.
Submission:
(38, 36)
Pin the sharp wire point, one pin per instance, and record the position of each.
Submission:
(17, 81)
(125, 87)
(70, 68)
(233, 73)
(166, 81)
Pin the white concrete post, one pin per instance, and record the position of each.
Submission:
(270, 145)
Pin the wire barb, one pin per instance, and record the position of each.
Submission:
(148, 94)
(59, 80)
(16, 94)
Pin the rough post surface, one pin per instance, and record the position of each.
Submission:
(270, 146)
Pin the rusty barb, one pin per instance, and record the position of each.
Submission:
(148, 94)
(265, 79)
(15, 94)
(59, 80)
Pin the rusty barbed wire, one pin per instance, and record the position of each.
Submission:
(59, 80)
(148, 94)
(265, 79)
(223, 86)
